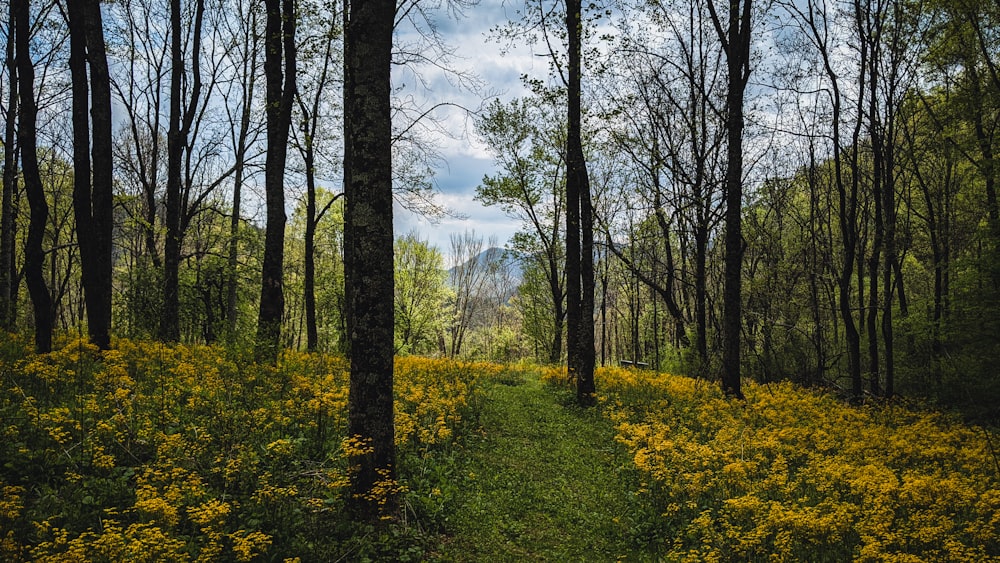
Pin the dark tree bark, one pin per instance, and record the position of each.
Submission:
(312, 333)
(557, 292)
(93, 195)
(7, 286)
(735, 39)
(34, 255)
(368, 251)
(279, 75)
(579, 228)
(181, 118)
(869, 24)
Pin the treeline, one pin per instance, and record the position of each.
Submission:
(869, 216)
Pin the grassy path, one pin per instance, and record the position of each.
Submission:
(542, 483)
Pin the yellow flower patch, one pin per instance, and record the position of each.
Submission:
(796, 475)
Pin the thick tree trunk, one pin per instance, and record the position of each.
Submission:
(93, 194)
(579, 227)
(34, 255)
(368, 260)
(279, 48)
(97, 267)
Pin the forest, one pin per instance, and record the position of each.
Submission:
(216, 346)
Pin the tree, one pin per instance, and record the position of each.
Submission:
(368, 253)
(579, 227)
(34, 254)
(137, 37)
(7, 284)
(531, 188)
(93, 190)
(239, 100)
(181, 119)
(734, 35)
(319, 58)
(279, 74)
(673, 132)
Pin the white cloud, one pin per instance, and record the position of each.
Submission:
(485, 221)
(465, 160)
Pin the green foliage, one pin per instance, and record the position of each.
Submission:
(421, 296)
(328, 259)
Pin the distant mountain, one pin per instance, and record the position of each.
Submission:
(508, 260)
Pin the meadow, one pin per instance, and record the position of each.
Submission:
(192, 453)
(154, 452)
(794, 474)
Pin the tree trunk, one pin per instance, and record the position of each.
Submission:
(7, 285)
(815, 270)
(90, 200)
(170, 321)
(181, 117)
(701, 296)
(735, 38)
(34, 255)
(559, 310)
(93, 195)
(232, 283)
(368, 255)
(579, 227)
(312, 333)
(97, 267)
(279, 48)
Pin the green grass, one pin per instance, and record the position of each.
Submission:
(542, 481)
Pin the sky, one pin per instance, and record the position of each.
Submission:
(464, 160)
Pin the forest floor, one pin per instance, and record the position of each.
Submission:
(543, 480)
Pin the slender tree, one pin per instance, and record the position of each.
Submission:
(734, 35)
(368, 253)
(319, 55)
(239, 105)
(468, 273)
(34, 254)
(139, 89)
(279, 75)
(530, 187)
(181, 117)
(7, 275)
